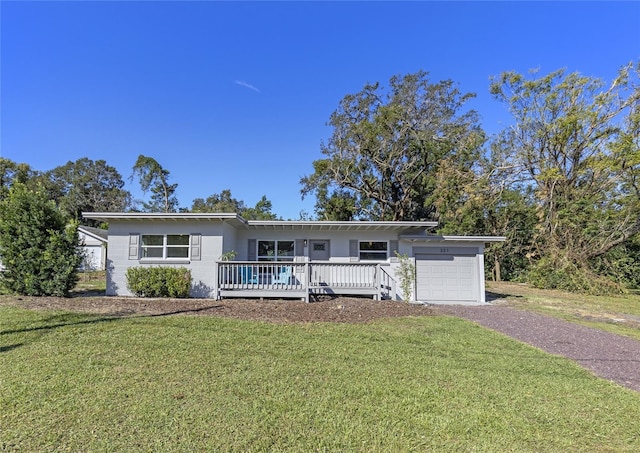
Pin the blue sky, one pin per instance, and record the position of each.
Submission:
(236, 95)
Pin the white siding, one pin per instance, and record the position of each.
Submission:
(339, 240)
(202, 271)
(94, 252)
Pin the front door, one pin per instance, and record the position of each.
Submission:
(319, 250)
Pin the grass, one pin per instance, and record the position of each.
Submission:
(617, 314)
(72, 382)
(91, 281)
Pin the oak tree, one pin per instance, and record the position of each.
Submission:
(87, 185)
(387, 146)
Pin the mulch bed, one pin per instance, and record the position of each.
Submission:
(326, 309)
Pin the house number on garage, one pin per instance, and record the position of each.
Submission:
(444, 250)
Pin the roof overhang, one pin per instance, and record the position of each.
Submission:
(92, 235)
(284, 225)
(234, 219)
(308, 225)
(434, 238)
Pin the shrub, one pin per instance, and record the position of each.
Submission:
(39, 248)
(560, 273)
(407, 275)
(159, 281)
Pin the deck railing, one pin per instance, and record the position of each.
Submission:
(293, 279)
(259, 275)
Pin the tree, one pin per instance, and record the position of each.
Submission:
(222, 202)
(225, 202)
(155, 178)
(479, 204)
(87, 185)
(12, 172)
(574, 142)
(39, 248)
(381, 160)
(261, 211)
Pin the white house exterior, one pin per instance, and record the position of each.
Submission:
(93, 242)
(295, 258)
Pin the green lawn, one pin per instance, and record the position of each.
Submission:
(617, 314)
(71, 382)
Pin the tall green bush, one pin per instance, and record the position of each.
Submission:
(407, 275)
(159, 281)
(557, 272)
(39, 249)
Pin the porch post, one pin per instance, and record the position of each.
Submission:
(305, 283)
(216, 288)
(378, 279)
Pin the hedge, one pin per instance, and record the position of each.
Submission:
(159, 281)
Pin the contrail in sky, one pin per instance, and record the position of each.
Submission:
(247, 85)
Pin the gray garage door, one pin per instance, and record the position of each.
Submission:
(446, 278)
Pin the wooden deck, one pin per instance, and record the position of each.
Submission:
(301, 280)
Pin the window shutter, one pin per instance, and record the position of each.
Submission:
(251, 250)
(300, 250)
(354, 253)
(393, 248)
(196, 247)
(134, 246)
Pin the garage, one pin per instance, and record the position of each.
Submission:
(447, 274)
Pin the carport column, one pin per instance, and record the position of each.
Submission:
(483, 298)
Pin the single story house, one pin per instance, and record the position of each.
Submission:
(232, 257)
(94, 247)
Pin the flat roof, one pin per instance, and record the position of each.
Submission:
(239, 221)
(437, 238)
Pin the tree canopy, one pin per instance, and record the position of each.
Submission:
(13, 172)
(154, 178)
(574, 143)
(386, 149)
(225, 202)
(87, 185)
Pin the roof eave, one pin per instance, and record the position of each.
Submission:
(161, 216)
(238, 220)
(430, 238)
(336, 226)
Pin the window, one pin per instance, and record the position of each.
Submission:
(275, 250)
(167, 246)
(373, 250)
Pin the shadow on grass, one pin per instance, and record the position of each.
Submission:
(492, 296)
(96, 320)
(10, 347)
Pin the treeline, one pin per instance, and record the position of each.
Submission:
(561, 181)
(94, 186)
